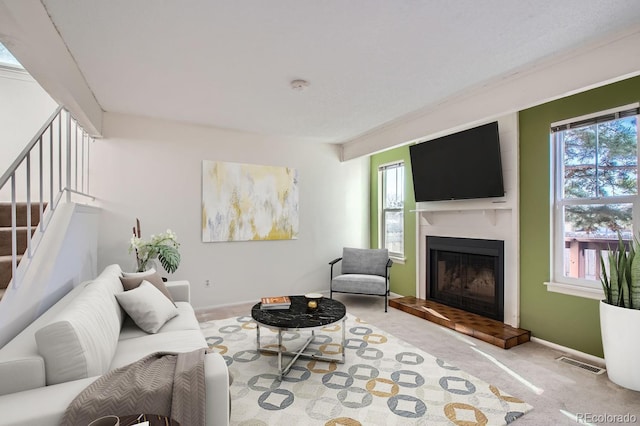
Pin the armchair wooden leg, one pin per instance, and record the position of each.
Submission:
(386, 302)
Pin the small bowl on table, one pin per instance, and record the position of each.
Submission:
(313, 300)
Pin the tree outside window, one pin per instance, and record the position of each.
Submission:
(596, 177)
(392, 203)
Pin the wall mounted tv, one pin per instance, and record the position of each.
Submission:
(463, 165)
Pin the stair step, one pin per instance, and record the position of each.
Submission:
(21, 243)
(21, 213)
(5, 234)
(5, 270)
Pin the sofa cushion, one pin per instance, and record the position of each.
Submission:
(81, 340)
(358, 283)
(131, 350)
(147, 306)
(112, 273)
(21, 373)
(21, 365)
(365, 261)
(110, 276)
(133, 280)
(41, 406)
(185, 320)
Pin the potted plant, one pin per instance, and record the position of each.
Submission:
(620, 314)
(163, 247)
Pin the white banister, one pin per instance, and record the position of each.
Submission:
(14, 236)
(58, 139)
(68, 156)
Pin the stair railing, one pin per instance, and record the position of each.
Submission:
(61, 146)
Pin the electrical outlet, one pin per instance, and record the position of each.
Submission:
(207, 283)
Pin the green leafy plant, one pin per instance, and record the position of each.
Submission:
(163, 246)
(622, 286)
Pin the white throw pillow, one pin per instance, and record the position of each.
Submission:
(147, 306)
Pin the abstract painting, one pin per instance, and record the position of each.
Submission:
(248, 202)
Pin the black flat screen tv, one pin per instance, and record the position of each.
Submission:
(460, 166)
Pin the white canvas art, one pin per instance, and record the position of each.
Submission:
(245, 202)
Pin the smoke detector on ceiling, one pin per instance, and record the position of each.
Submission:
(299, 85)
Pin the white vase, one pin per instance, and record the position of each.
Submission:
(620, 329)
(151, 263)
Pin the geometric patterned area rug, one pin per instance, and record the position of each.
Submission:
(384, 381)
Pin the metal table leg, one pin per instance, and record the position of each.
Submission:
(300, 352)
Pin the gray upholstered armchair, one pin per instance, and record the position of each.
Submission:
(364, 271)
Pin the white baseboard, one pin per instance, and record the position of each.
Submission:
(581, 355)
(252, 301)
(226, 305)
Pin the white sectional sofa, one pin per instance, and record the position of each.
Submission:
(86, 334)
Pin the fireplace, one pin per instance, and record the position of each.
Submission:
(466, 273)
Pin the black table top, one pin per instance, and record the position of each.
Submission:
(299, 315)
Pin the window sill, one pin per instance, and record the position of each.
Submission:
(399, 260)
(575, 290)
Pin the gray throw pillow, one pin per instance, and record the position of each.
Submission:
(132, 280)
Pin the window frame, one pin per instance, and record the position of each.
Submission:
(559, 282)
(382, 210)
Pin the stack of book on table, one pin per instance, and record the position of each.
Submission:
(277, 302)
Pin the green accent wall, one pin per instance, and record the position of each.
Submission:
(566, 320)
(403, 276)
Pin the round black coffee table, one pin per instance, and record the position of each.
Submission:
(298, 317)
(153, 419)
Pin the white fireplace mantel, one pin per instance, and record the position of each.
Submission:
(429, 215)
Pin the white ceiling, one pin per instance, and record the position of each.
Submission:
(229, 64)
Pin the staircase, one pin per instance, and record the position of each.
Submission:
(21, 237)
(52, 166)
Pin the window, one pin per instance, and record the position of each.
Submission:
(7, 59)
(595, 191)
(392, 208)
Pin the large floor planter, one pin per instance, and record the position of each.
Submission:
(620, 329)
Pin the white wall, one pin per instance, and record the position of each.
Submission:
(24, 107)
(151, 169)
(66, 256)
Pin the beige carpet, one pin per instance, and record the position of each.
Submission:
(385, 381)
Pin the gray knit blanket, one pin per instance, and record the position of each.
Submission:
(162, 383)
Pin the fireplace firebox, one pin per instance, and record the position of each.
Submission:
(467, 273)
